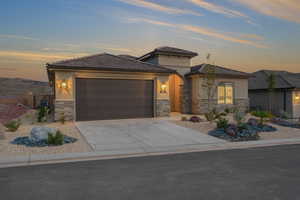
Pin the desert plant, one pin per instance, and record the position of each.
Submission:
(214, 115)
(262, 115)
(42, 113)
(239, 117)
(62, 118)
(13, 125)
(184, 118)
(56, 139)
(222, 123)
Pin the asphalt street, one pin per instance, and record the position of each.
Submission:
(259, 173)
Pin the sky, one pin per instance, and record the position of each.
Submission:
(239, 34)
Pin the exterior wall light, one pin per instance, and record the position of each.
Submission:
(163, 88)
(64, 85)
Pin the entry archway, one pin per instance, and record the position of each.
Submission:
(176, 83)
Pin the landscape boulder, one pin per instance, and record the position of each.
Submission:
(40, 133)
(195, 119)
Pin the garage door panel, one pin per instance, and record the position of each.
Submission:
(98, 99)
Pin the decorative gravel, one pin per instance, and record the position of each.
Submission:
(68, 129)
(30, 143)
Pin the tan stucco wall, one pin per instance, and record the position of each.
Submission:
(174, 60)
(61, 93)
(240, 87)
(69, 77)
(296, 107)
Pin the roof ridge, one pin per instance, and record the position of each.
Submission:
(225, 68)
(72, 59)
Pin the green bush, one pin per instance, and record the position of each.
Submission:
(13, 125)
(62, 118)
(222, 123)
(263, 115)
(57, 139)
(42, 113)
(214, 115)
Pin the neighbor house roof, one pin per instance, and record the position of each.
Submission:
(283, 80)
(108, 62)
(169, 51)
(219, 71)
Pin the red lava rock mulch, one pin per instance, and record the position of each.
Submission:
(10, 112)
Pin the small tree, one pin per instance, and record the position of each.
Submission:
(209, 83)
(271, 86)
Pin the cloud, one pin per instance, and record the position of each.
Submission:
(159, 7)
(241, 39)
(217, 9)
(34, 56)
(283, 9)
(18, 37)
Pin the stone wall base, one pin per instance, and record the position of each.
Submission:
(163, 108)
(65, 108)
(201, 106)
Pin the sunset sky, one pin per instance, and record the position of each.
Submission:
(240, 34)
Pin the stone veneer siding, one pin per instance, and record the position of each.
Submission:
(186, 97)
(201, 106)
(163, 108)
(65, 107)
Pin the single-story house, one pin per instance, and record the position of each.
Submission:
(106, 86)
(284, 99)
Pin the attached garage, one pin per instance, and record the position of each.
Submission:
(102, 99)
(105, 87)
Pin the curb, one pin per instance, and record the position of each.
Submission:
(40, 159)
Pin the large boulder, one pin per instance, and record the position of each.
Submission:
(40, 133)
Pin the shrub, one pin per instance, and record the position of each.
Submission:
(42, 113)
(263, 115)
(13, 125)
(57, 139)
(62, 118)
(239, 117)
(222, 123)
(214, 115)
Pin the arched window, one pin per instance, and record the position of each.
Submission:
(225, 93)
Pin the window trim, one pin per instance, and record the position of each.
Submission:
(223, 84)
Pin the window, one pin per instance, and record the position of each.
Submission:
(296, 98)
(225, 93)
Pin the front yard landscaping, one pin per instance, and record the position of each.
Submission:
(251, 129)
(20, 142)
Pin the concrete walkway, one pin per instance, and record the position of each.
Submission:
(141, 135)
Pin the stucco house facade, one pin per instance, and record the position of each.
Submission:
(284, 99)
(106, 86)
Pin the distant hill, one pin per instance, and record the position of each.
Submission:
(19, 86)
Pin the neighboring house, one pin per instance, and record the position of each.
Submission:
(106, 86)
(284, 98)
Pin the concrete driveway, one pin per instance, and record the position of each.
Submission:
(141, 136)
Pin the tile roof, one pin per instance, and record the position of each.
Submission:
(283, 80)
(110, 63)
(221, 71)
(169, 51)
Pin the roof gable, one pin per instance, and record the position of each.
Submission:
(220, 71)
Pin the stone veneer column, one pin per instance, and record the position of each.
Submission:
(66, 108)
(163, 108)
(185, 97)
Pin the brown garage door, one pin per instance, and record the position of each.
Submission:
(99, 99)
